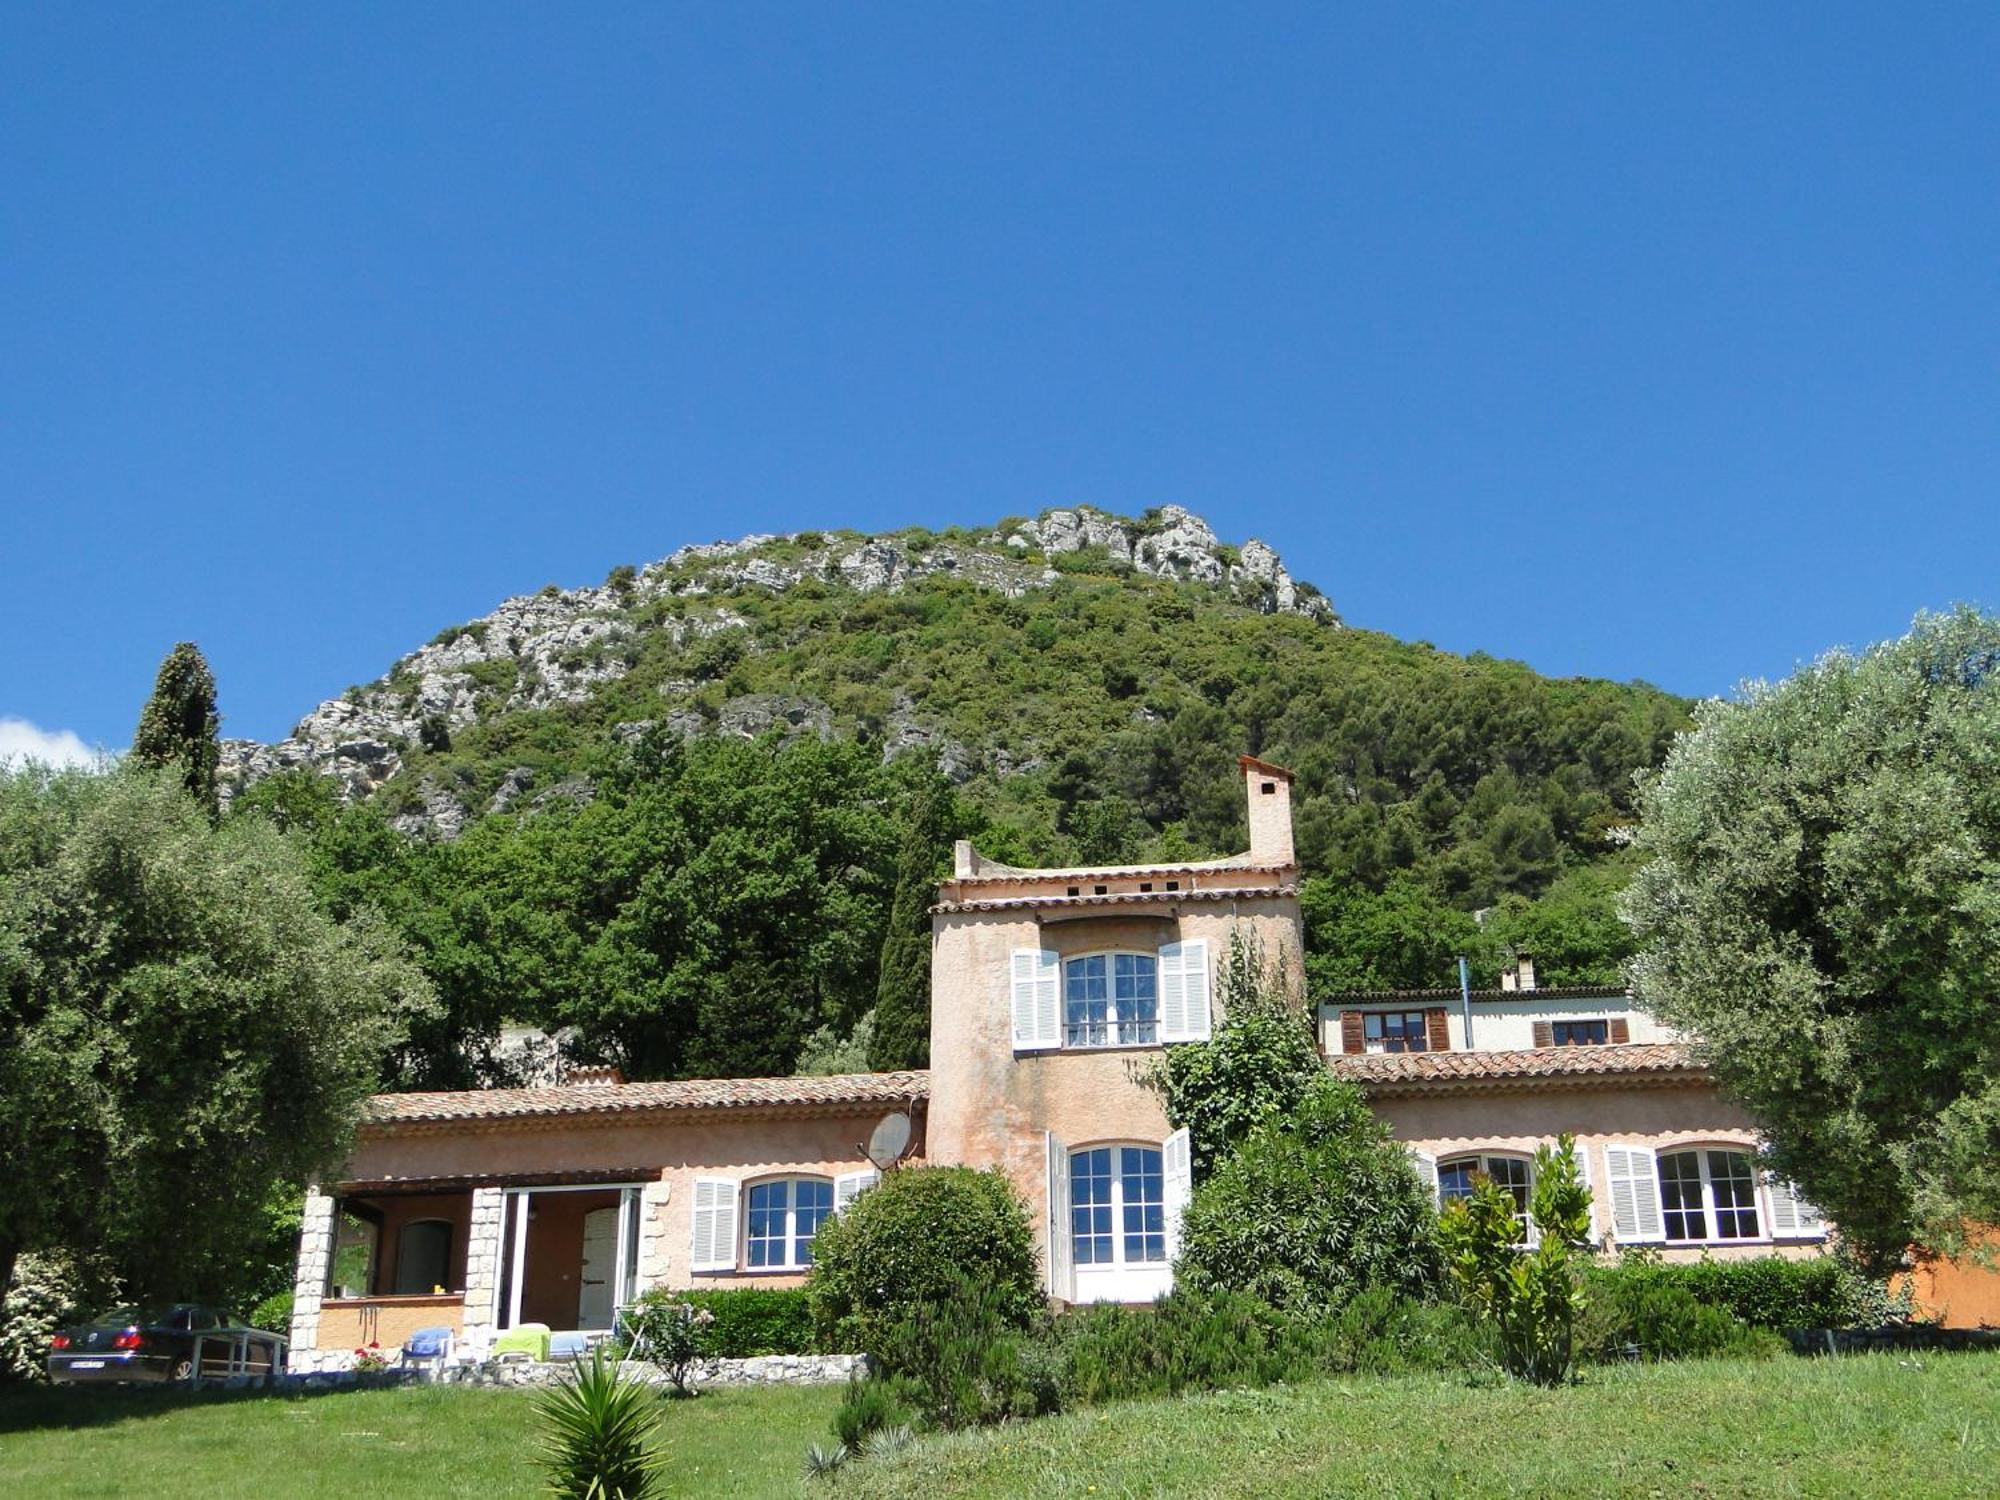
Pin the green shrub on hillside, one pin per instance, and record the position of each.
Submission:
(1310, 1210)
(909, 1241)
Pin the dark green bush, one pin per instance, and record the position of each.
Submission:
(909, 1241)
(1309, 1211)
(1186, 1341)
(274, 1313)
(1767, 1292)
(1663, 1320)
(1381, 1333)
(1200, 1341)
(868, 1407)
(750, 1321)
(956, 1357)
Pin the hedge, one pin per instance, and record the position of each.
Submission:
(749, 1321)
(1767, 1292)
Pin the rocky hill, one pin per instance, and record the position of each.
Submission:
(561, 647)
(1085, 679)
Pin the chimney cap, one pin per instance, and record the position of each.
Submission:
(1263, 767)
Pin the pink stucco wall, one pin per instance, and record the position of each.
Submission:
(993, 1107)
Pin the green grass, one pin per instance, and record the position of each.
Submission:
(432, 1442)
(1872, 1425)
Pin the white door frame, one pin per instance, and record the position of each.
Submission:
(515, 1215)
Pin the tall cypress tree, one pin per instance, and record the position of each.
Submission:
(903, 993)
(178, 731)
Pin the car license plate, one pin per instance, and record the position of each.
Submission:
(86, 1364)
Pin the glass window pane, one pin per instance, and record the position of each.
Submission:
(1680, 1196)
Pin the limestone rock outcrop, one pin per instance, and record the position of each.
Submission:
(561, 646)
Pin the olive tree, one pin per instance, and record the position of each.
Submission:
(1822, 909)
(181, 1029)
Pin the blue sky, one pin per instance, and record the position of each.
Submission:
(1650, 345)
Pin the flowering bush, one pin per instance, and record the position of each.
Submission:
(667, 1332)
(371, 1360)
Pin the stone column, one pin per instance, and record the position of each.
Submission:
(315, 1260)
(483, 1252)
(654, 1256)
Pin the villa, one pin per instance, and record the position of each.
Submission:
(1052, 992)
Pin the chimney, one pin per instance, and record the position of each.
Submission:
(1269, 789)
(1524, 972)
(1507, 979)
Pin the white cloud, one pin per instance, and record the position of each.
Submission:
(22, 741)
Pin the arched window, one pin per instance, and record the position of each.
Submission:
(1117, 1207)
(1456, 1174)
(1111, 1000)
(1708, 1194)
(784, 1216)
(423, 1256)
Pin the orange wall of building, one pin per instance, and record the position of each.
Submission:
(1962, 1293)
(388, 1321)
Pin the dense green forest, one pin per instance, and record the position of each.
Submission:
(698, 898)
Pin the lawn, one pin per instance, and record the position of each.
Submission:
(434, 1442)
(1868, 1425)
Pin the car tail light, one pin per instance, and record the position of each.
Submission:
(60, 1341)
(131, 1338)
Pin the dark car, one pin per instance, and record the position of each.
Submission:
(158, 1344)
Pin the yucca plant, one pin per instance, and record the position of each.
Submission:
(597, 1426)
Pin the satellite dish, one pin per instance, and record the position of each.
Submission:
(889, 1140)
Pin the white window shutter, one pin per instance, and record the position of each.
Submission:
(1792, 1217)
(1062, 1268)
(1037, 975)
(1427, 1168)
(1635, 1195)
(714, 1246)
(1184, 1003)
(1177, 1174)
(851, 1185)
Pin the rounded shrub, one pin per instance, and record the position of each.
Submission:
(1308, 1212)
(910, 1240)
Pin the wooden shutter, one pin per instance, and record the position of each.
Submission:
(1621, 1030)
(1037, 1000)
(1184, 991)
(1792, 1217)
(714, 1225)
(1545, 1033)
(851, 1185)
(1437, 1030)
(1351, 1038)
(1635, 1194)
(1177, 1173)
(1062, 1270)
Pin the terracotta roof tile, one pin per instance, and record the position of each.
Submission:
(1419, 1072)
(648, 1098)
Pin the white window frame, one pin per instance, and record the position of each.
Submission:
(1119, 1279)
(1118, 1262)
(786, 1180)
(1711, 1220)
(1113, 1026)
(514, 1222)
